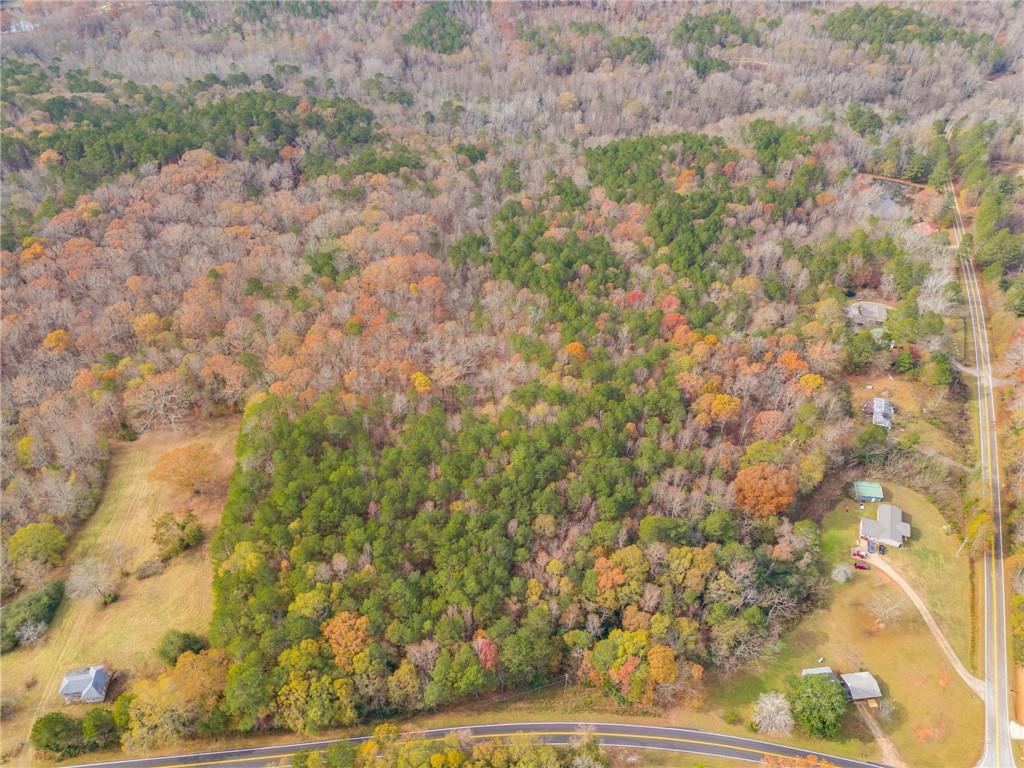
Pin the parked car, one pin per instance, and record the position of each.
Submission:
(872, 547)
(881, 549)
(861, 566)
(858, 553)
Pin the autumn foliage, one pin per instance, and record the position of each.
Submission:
(190, 468)
(346, 633)
(764, 490)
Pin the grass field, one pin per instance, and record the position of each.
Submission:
(930, 564)
(126, 633)
(903, 656)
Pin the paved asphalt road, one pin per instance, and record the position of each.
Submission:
(998, 751)
(611, 734)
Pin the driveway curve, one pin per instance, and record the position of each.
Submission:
(976, 685)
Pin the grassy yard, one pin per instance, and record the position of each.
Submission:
(126, 633)
(930, 564)
(903, 655)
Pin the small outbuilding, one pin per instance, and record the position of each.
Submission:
(887, 528)
(819, 671)
(867, 490)
(87, 685)
(861, 686)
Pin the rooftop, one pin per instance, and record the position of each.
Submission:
(888, 527)
(87, 684)
(867, 313)
(816, 671)
(861, 685)
(882, 412)
(867, 489)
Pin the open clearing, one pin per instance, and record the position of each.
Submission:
(903, 655)
(920, 409)
(126, 633)
(931, 563)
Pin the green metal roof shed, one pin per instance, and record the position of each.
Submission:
(867, 490)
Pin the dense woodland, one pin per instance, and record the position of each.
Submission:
(535, 314)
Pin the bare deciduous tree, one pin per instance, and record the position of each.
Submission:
(887, 609)
(91, 576)
(772, 714)
(120, 555)
(886, 710)
(31, 632)
(842, 573)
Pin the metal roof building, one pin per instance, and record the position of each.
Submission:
(862, 686)
(867, 490)
(882, 412)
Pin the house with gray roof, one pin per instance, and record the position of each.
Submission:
(882, 412)
(864, 313)
(87, 685)
(887, 528)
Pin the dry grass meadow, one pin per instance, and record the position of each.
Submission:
(124, 634)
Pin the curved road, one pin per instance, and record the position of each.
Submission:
(610, 734)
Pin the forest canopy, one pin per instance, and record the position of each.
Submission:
(540, 321)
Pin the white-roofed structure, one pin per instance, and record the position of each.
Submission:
(88, 685)
(816, 671)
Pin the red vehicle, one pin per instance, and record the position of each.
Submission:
(862, 566)
(858, 553)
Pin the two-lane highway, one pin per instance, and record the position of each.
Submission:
(683, 740)
(998, 752)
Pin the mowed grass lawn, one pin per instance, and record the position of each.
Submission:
(124, 634)
(934, 566)
(938, 721)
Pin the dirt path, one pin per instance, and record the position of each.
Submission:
(893, 180)
(973, 372)
(973, 683)
(890, 755)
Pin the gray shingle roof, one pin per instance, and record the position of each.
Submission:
(867, 313)
(87, 684)
(888, 528)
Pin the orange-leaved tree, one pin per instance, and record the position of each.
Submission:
(764, 490)
(192, 468)
(347, 636)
